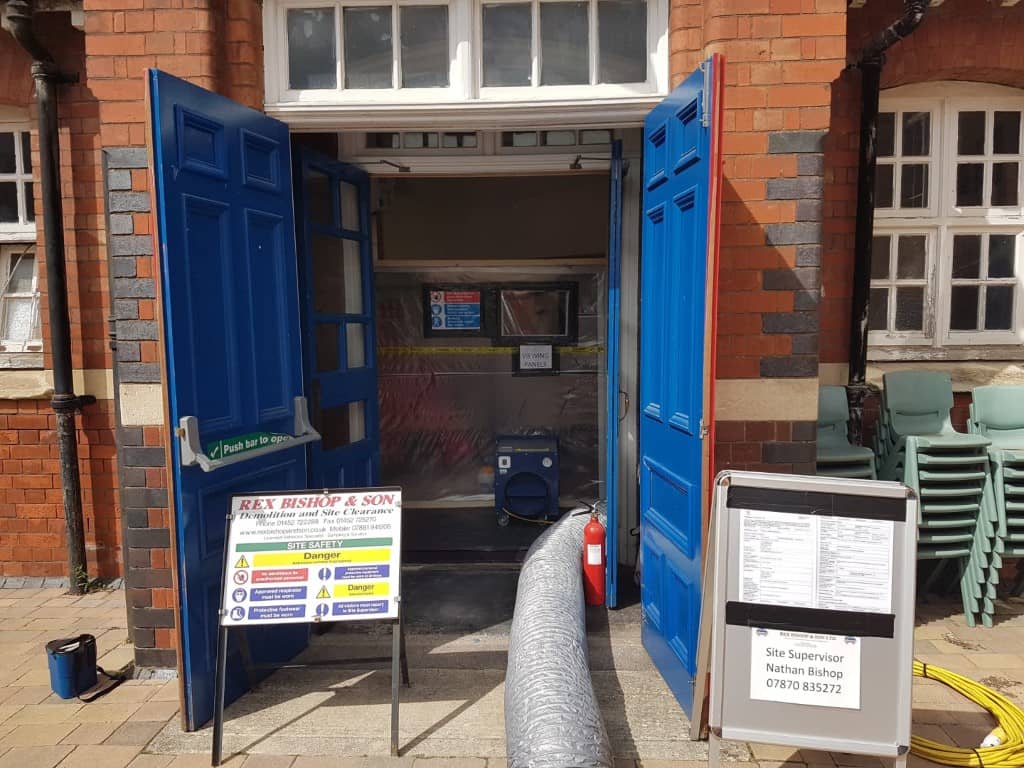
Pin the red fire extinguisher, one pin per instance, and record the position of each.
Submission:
(593, 562)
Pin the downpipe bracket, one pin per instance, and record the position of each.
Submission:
(47, 70)
(71, 403)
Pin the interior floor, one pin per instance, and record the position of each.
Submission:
(457, 638)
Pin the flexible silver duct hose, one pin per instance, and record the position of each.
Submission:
(552, 719)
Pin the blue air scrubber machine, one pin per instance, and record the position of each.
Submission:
(526, 478)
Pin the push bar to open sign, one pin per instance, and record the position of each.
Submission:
(192, 451)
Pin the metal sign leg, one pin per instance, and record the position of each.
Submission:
(404, 656)
(218, 704)
(396, 657)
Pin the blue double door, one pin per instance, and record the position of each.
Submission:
(268, 331)
(268, 326)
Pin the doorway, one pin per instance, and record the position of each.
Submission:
(447, 397)
(503, 245)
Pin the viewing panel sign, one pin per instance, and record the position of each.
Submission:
(304, 557)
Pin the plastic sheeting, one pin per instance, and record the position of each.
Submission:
(443, 401)
(552, 719)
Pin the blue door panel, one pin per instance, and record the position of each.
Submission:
(678, 171)
(266, 233)
(232, 332)
(335, 248)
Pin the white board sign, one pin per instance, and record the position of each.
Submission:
(306, 557)
(803, 668)
(809, 614)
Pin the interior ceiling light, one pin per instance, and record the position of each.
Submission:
(577, 164)
(402, 168)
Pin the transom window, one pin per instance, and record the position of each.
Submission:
(434, 51)
(948, 252)
(17, 202)
(562, 42)
(378, 47)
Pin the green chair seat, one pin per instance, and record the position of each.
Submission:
(947, 508)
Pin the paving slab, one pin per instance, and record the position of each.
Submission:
(268, 761)
(37, 735)
(91, 733)
(33, 694)
(41, 714)
(134, 733)
(100, 756)
(151, 761)
(34, 757)
(103, 712)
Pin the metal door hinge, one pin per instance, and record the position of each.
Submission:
(705, 95)
(702, 429)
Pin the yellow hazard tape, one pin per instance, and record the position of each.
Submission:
(480, 350)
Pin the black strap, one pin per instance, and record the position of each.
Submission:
(113, 682)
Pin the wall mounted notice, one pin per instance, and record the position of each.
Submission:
(304, 557)
(454, 310)
(816, 561)
(803, 668)
(536, 357)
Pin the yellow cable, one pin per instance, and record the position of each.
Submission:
(535, 521)
(1009, 718)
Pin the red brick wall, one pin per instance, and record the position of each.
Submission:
(969, 40)
(15, 79)
(782, 57)
(32, 541)
(31, 507)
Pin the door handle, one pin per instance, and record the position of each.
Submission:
(192, 449)
(625, 404)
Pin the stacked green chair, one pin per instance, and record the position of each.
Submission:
(949, 471)
(836, 456)
(998, 414)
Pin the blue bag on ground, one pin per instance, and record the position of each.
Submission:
(72, 662)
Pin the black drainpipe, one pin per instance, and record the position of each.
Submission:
(870, 63)
(65, 403)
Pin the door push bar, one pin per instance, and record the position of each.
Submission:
(192, 450)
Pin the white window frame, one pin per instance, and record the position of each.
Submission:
(943, 219)
(928, 319)
(8, 253)
(592, 89)
(466, 62)
(932, 159)
(16, 122)
(277, 62)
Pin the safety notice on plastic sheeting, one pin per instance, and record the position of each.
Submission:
(305, 557)
(816, 561)
(802, 668)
